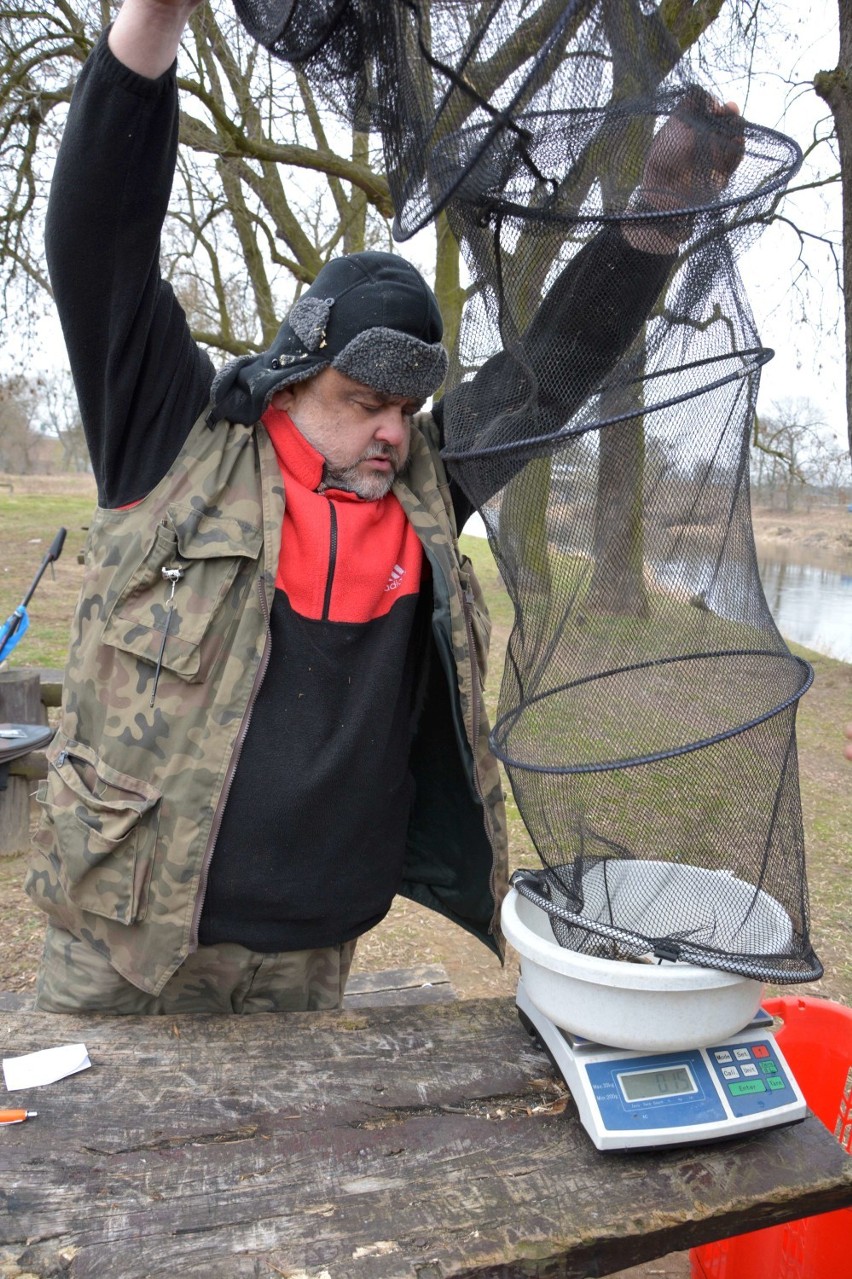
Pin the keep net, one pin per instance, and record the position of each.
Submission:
(598, 415)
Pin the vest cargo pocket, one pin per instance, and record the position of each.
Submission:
(100, 831)
(184, 587)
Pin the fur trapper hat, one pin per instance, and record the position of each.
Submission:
(370, 315)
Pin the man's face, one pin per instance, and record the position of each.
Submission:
(363, 434)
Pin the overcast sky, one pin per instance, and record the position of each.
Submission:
(804, 327)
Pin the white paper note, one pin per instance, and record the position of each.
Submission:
(45, 1067)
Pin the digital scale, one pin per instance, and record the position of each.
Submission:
(635, 1100)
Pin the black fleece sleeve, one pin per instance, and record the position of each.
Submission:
(584, 325)
(141, 380)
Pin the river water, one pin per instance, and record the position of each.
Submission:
(812, 605)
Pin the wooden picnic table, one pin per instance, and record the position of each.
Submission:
(416, 1142)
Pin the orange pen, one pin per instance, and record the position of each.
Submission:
(16, 1116)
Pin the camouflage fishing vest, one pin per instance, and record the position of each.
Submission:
(169, 646)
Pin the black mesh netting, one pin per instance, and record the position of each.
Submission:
(598, 413)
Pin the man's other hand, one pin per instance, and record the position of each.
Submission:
(689, 164)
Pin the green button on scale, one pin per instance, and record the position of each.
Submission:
(743, 1086)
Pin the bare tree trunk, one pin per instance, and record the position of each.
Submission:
(835, 88)
(448, 287)
(618, 583)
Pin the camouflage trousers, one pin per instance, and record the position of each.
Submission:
(75, 978)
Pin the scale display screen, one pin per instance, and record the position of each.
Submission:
(646, 1085)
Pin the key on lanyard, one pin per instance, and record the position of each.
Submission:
(172, 575)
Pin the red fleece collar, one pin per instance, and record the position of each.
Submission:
(295, 455)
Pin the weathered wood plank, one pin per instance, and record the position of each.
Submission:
(20, 703)
(421, 984)
(50, 679)
(20, 697)
(14, 1001)
(33, 767)
(419, 1143)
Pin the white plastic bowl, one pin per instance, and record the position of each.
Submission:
(648, 1007)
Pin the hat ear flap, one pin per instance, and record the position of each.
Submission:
(309, 321)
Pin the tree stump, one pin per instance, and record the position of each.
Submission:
(20, 703)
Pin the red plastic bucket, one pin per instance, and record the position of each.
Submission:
(816, 1039)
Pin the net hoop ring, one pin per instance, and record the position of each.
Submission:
(752, 359)
(680, 950)
(503, 727)
(489, 208)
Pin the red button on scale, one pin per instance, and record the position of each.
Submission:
(760, 1050)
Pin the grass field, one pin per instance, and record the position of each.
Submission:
(31, 512)
(34, 507)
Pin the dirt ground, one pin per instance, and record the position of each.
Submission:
(411, 935)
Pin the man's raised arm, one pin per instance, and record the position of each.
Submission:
(147, 33)
(141, 381)
(600, 301)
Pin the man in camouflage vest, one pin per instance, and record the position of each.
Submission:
(272, 718)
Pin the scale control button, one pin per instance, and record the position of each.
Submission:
(775, 1082)
(760, 1050)
(722, 1057)
(742, 1054)
(750, 1069)
(744, 1086)
(768, 1068)
(730, 1072)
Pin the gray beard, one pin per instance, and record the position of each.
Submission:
(370, 488)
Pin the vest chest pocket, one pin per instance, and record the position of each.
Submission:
(99, 830)
(184, 588)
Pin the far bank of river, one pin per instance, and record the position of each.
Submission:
(805, 560)
(821, 536)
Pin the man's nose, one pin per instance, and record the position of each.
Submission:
(393, 426)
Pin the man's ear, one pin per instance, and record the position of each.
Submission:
(284, 398)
